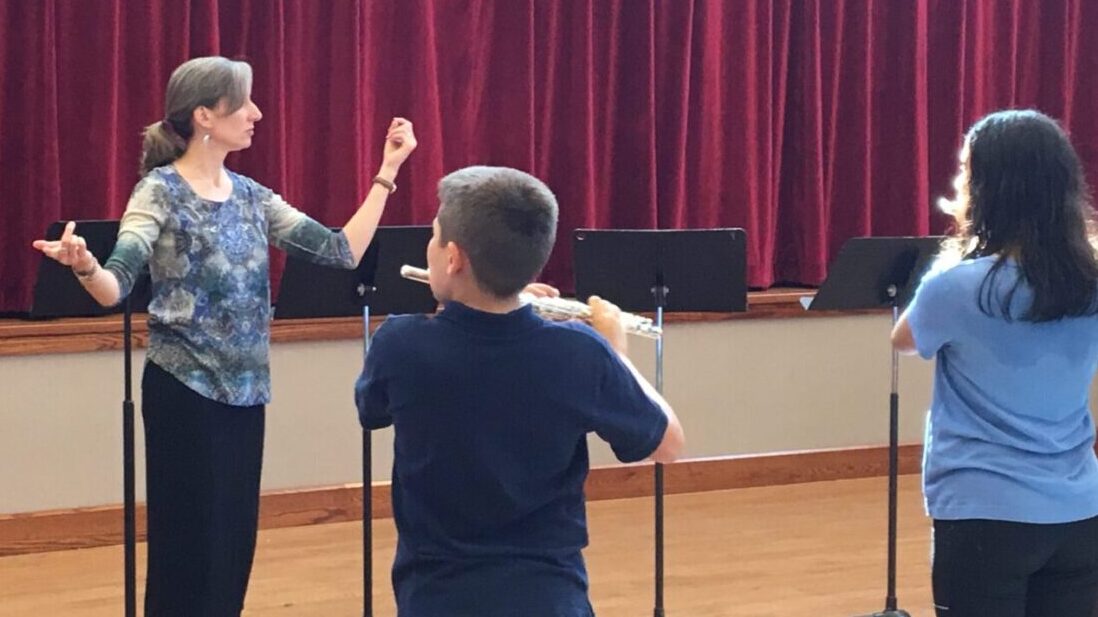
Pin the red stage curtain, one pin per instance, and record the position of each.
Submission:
(806, 122)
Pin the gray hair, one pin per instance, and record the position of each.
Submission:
(504, 219)
(201, 82)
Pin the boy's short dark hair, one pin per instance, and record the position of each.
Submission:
(504, 219)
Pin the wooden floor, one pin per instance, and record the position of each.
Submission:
(809, 549)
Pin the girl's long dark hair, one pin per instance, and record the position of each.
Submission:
(1022, 195)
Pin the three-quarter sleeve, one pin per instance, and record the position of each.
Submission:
(138, 231)
(299, 235)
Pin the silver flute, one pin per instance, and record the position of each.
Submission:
(559, 308)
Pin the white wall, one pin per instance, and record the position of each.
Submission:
(742, 386)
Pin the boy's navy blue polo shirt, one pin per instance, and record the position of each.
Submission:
(491, 414)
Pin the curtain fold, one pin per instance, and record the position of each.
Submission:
(807, 122)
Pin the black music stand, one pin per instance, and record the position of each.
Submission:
(57, 293)
(309, 290)
(697, 270)
(880, 273)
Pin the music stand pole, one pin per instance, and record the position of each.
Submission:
(129, 505)
(367, 494)
(891, 609)
(659, 291)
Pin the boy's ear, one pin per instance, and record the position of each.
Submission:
(456, 259)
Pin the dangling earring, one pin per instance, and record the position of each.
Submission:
(206, 139)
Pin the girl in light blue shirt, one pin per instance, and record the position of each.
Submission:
(1009, 313)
